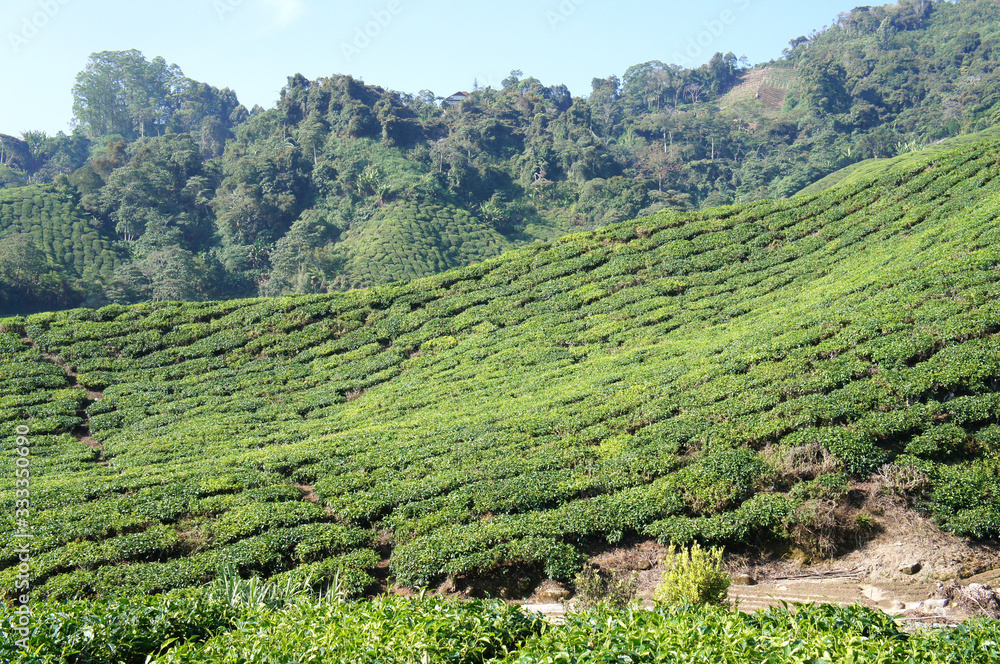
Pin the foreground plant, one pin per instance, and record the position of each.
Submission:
(695, 576)
(793, 634)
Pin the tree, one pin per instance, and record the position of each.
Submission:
(302, 259)
(657, 164)
(29, 281)
(162, 185)
(36, 147)
(823, 81)
(120, 92)
(22, 263)
(604, 96)
(793, 50)
(694, 91)
(886, 33)
(311, 136)
(645, 86)
(721, 73)
(171, 274)
(512, 80)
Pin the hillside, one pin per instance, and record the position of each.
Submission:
(52, 253)
(408, 241)
(768, 85)
(726, 376)
(233, 202)
(875, 168)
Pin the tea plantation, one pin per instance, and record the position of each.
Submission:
(60, 229)
(410, 241)
(674, 377)
(201, 627)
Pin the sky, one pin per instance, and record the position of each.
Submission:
(253, 46)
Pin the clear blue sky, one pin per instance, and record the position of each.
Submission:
(252, 46)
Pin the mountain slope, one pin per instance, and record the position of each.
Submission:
(409, 241)
(875, 168)
(721, 375)
(53, 252)
(295, 199)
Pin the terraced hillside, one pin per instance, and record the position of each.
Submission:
(57, 246)
(768, 85)
(723, 376)
(409, 241)
(60, 228)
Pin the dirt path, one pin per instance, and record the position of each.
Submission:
(900, 571)
(908, 602)
(82, 431)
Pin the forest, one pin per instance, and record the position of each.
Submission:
(169, 189)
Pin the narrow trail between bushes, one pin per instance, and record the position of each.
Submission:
(82, 431)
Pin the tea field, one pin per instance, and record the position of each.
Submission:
(410, 241)
(52, 252)
(705, 376)
(200, 627)
(60, 229)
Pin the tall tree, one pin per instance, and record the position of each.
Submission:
(120, 92)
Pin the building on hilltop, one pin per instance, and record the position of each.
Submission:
(454, 100)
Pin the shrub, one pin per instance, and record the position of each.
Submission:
(595, 586)
(902, 479)
(722, 479)
(694, 576)
(822, 526)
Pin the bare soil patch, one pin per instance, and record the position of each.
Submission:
(869, 575)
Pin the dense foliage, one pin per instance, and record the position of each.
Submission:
(799, 635)
(390, 630)
(343, 184)
(196, 627)
(675, 377)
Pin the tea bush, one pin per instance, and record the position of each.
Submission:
(798, 634)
